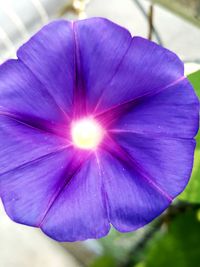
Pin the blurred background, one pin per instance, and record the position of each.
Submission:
(174, 238)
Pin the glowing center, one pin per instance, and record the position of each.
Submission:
(87, 133)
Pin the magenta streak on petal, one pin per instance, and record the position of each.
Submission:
(104, 194)
(72, 169)
(159, 136)
(113, 113)
(47, 91)
(36, 160)
(39, 124)
(79, 104)
(114, 74)
(124, 157)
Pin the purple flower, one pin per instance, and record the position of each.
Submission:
(96, 128)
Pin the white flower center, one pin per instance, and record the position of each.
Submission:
(86, 133)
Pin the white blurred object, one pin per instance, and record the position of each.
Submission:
(176, 34)
(22, 246)
(191, 67)
(20, 19)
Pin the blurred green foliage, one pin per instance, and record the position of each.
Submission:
(177, 245)
(192, 191)
(117, 246)
(104, 261)
(194, 78)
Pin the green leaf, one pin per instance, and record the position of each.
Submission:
(178, 246)
(104, 261)
(192, 191)
(194, 78)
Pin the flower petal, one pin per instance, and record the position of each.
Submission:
(173, 112)
(132, 200)
(21, 144)
(79, 212)
(101, 47)
(167, 161)
(23, 96)
(32, 167)
(49, 54)
(27, 191)
(146, 69)
(118, 68)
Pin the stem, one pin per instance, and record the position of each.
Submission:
(141, 8)
(150, 20)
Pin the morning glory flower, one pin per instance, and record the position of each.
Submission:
(96, 129)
